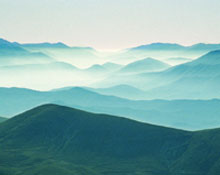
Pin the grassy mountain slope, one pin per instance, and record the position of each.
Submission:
(101, 143)
(53, 139)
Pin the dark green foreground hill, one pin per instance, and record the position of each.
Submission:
(2, 119)
(57, 140)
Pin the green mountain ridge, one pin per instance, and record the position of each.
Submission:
(53, 139)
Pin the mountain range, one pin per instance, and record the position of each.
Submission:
(184, 114)
(173, 46)
(147, 110)
(53, 139)
(13, 54)
(201, 75)
(78, 56)
(163, 51)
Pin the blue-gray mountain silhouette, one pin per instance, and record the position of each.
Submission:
(185, 114)
(145, 65)
(13, 53)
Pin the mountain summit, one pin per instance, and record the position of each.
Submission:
(55, 139)
(144, 65)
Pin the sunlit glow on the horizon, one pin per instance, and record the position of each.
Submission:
(110, 25)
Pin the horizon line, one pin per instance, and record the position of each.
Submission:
(119, 49)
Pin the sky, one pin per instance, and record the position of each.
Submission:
(110, 24)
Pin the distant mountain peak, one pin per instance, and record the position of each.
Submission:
(149, 59)
(145, 65)
(3, 41)
(174, 46)
(159, 46)
(6, 45)
(164, 44)
(211, 58)
(46, 45)
(111, 66)
(60, 44)
(96, 67)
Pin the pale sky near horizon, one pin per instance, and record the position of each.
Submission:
(110, 24)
